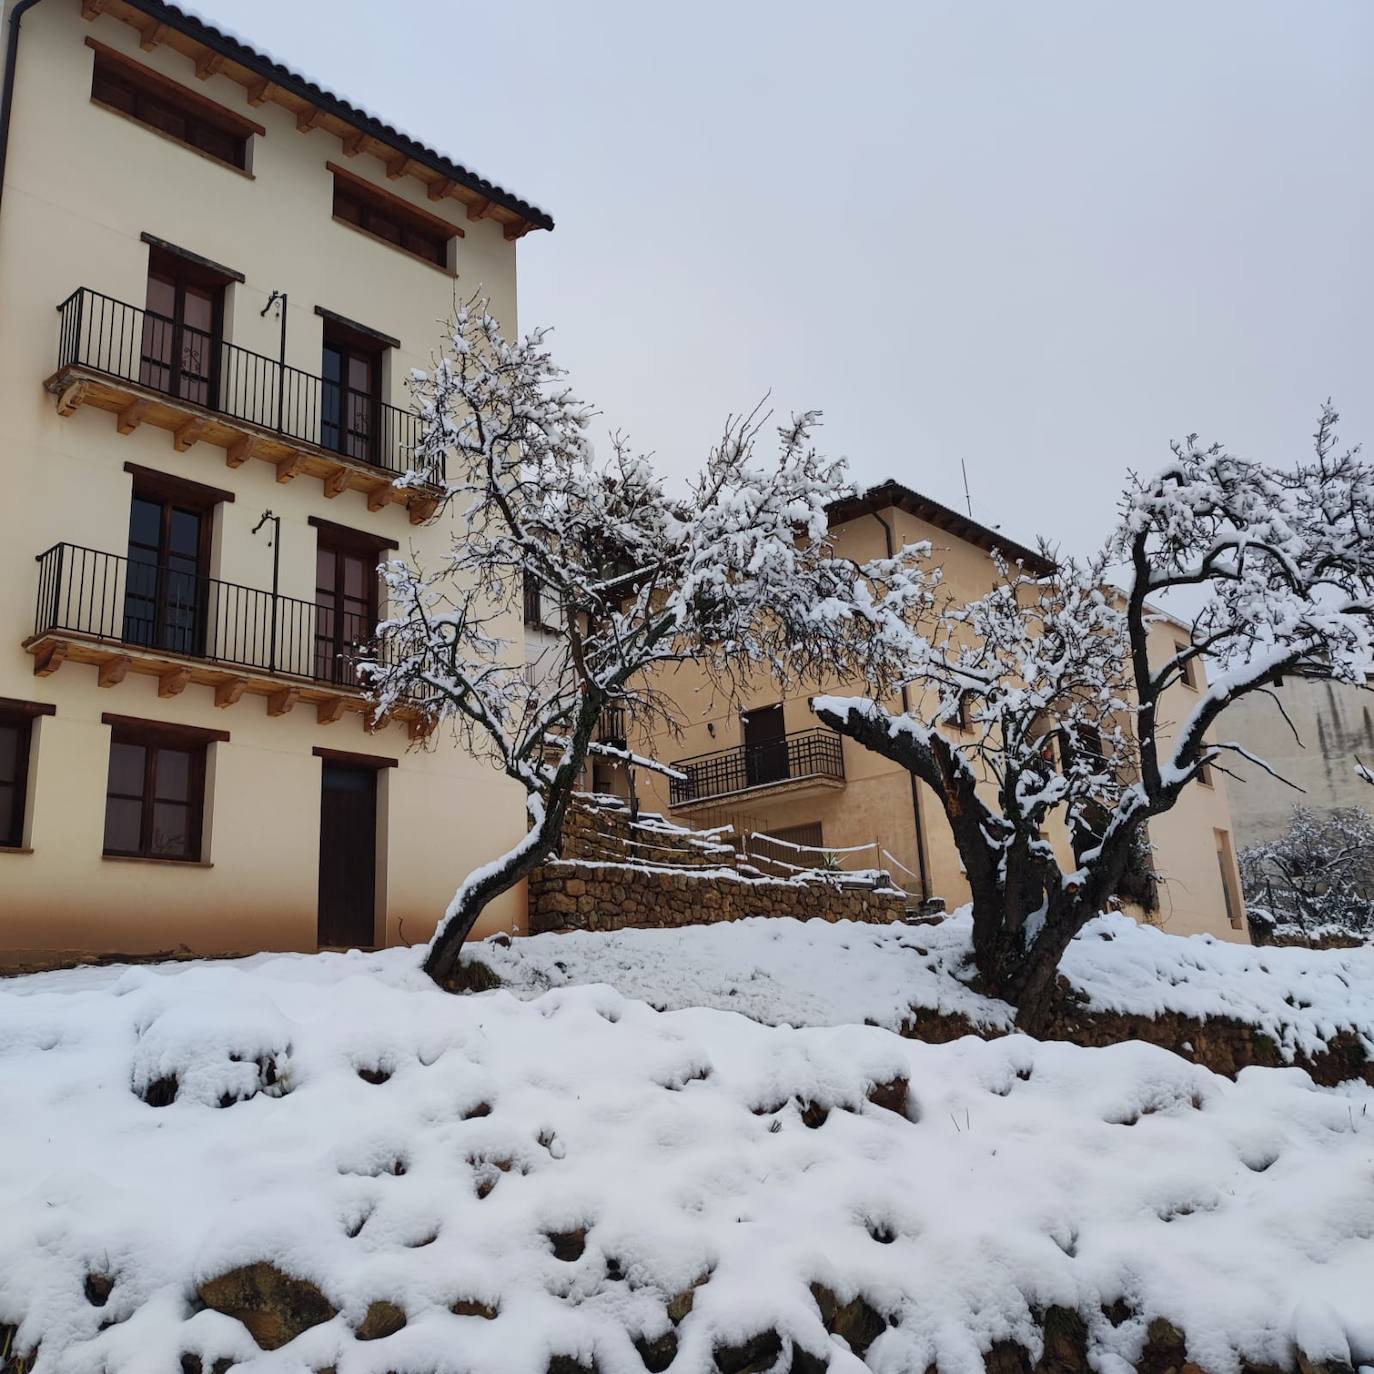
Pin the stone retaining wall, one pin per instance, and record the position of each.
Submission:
(614, 872)
(574, 894)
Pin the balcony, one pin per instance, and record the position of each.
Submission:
(148, 369)
(125, 616)
(802, 762)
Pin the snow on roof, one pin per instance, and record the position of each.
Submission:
(198, 24)
(892, 493)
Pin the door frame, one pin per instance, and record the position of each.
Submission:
(378, 764)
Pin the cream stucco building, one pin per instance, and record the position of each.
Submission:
(766, 764)
(214, 277)
(1315, 734)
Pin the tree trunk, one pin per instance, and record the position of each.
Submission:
(443, 962)
(1026, 974)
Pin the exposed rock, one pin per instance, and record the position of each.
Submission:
(98, 1289)
(569, 1245)
(894, 1095)
(754, 1356)
(474, 1307)
(568, 1364)
(161, 1092)
(658, 1353)
(275, 1307)
(375, 1076)
(383, 1319)
(472, 975)
(857, 1320)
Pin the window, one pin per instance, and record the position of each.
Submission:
(391, 219)
(1225, 861)
(963, 718)
(765, 745)
(16, 737)
(533, 601)
(183, 329)
(151, 99)
(352, 393)
(1188, 669)
(155, 796)
(1204, 775)
(166, 589)
(346, 601)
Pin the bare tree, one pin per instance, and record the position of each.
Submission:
(1315, 881)
(737, 574)
(1281, 566)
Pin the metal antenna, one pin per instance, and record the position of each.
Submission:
(968, 500)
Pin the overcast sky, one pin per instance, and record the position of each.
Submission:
(1041, 237)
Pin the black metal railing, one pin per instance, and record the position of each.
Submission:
(104, 596)
(181, 361)
(806, 754)
(610, 727)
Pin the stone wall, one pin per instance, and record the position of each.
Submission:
(614, 872)
(574, 894)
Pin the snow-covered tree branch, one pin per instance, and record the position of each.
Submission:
(737, 574)
(1053, 705)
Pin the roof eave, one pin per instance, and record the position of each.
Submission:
(304, 89)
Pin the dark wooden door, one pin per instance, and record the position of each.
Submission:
(348, 856)
(350, 400)
(765, 746)
(181, 335)
(345, 611)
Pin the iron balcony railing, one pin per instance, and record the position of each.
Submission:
(805, 754)
(189, 364)
(146, 605)
(610, 728)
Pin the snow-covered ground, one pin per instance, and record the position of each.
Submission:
(693, 1147)
(817, 974)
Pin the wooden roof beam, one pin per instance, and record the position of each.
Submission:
(260, 92)
(309, 118)
(397, 166)
(208, 63)
(353, 142)
(151, 36)
(478, 209)
(442, 188)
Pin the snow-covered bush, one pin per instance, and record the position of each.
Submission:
(1315, 882)
(737, 574)
(1062, 705)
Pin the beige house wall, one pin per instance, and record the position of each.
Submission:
(875, 803)
(1332, 729)
(82, 184)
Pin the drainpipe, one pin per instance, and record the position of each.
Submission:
(890, 544)
(7, 95)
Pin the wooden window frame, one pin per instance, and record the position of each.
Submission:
(154, 737)
(374, 198)
(1187, 670)
(350, 343)
(342, 542)
(181, 271)
(20, 715)
(194, 107)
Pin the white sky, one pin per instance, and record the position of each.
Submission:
(1045, 238)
